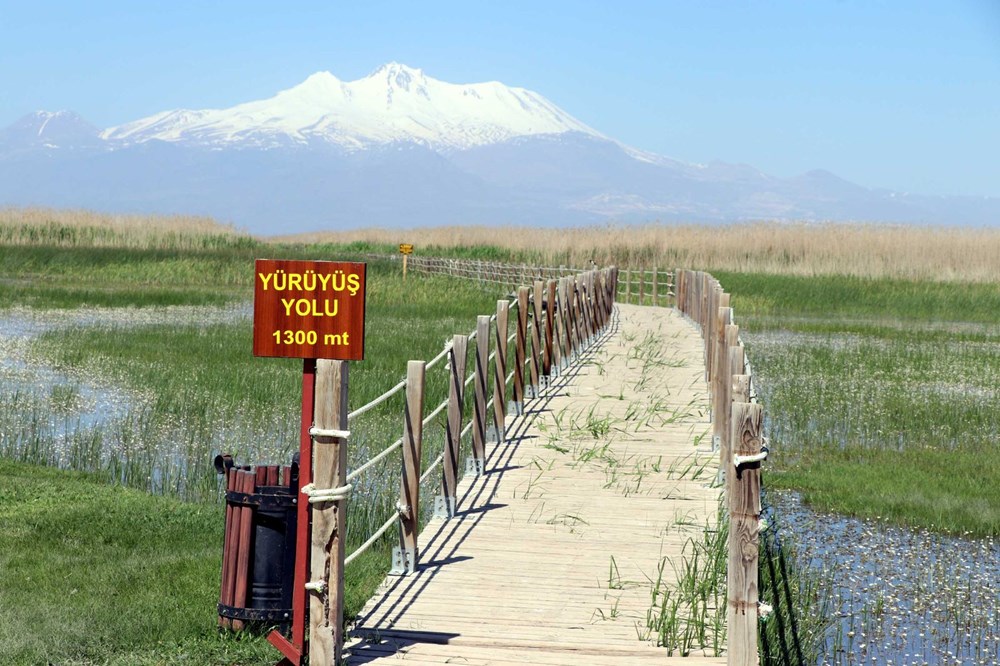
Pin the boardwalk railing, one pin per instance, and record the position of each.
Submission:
(558, 317)
(640, 286)
(737, 434)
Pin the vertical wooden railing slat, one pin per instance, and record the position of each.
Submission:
(480, 384)
(409, 488)
(453, 429)
(500, 370)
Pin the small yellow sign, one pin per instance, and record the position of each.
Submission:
(406, 248)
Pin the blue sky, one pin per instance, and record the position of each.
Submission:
(899, 94)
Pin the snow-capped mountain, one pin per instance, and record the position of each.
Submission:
(46, 129)
(395, 103)
(399, 148)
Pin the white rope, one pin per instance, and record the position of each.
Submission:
(377, 401)
(437, 411)
(316, 585)
(372, 539)
(320, 495)
(433, 361)
(329, 432)
(431, 467)
(389, 449)
(745, 460)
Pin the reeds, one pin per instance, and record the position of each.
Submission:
(864, 250)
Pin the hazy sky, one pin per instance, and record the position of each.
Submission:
(902, 94)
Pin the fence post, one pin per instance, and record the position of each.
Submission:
(720, 407)
(519, 353)
(326, 562)
(744, 517)
(453, 429)
(480, 384)
(500, 371)
(628, 283)
(536, 339)
(551, 349)
(566, 333)
(656, 279)
(578, 309)
(405, 557)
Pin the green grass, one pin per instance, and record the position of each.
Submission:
(780, 300)
(881, 395)
(97, 574)
(179, 391)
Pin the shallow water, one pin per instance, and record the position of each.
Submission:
(901, 596)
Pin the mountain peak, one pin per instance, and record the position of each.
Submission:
(50, 129)
(395, 103)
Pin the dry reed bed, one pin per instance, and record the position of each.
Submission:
(864, 250)
(85, 228)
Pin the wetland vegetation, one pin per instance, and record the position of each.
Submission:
(124, 354)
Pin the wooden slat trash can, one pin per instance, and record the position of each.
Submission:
(258, 555)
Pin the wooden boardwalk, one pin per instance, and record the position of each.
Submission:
(554, 550)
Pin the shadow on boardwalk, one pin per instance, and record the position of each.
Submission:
(550, 560)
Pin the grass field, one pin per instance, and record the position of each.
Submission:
(875, 349)
(144, 396)
(881, 394)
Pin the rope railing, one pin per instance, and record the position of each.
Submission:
(554, 321)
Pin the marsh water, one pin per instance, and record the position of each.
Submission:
(897, 595)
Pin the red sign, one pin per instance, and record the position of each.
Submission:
(309, 309)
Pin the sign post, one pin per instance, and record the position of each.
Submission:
(405, 249)
(315, 310)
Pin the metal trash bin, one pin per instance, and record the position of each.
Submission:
(258, 555)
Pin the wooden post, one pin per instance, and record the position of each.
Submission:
(536, 338)
(404, 267)
(409, 489)
(599, 299)
(721, 380)
(628, 284)
(500, 370)
(551, 341)
(326, 562)
(566, 310)
(480, 385)
(642, 285)
(744, 517)
(453, 429)
(550, 324)
(519, 354)
(656, 279)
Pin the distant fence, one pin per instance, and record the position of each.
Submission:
(639, 286)
(558, 317)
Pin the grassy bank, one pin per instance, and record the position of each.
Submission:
(881, 394)
(143, 396)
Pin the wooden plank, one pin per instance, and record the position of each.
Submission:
(550, 318)
(536, 336)
(326, 562)
(241, 584)
(413, 431)
(500, 369)
(453, 429)
(521, 341)
(480, 384)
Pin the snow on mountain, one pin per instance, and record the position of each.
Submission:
(49, 129)
(394, 103)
